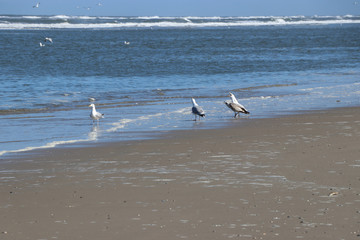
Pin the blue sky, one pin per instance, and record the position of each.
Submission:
(181, 7)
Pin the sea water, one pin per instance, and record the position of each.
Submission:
(273, 65)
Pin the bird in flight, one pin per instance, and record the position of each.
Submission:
(47, 39)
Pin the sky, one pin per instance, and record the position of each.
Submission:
(182, 7)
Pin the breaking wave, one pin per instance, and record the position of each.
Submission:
(93, 22)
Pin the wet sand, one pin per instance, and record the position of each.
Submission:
(294, 177)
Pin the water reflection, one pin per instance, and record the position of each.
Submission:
(94, 133)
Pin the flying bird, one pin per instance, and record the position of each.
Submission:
(37, 5)
(126, 43)
(94, 114)
(47, 39)
(41, 44)
(235, 105)
(197, 110)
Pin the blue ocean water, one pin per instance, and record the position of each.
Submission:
(274, 65)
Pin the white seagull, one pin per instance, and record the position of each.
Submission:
(197, 110)
(41, 44)
(48, 40)
(126, 43)
(235, 105)
(94, 114)
(37, 5)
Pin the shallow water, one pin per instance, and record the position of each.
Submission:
(145, 88)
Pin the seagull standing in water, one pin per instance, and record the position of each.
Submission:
(94, 114)
(235, 105)
(197, 110)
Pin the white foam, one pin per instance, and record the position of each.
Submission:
(168, 22)
(123, 122)
(60, 17)
(48, 145)
(120, 124)
(86, 17)
(28, 17)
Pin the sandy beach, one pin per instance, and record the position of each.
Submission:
(293, 177)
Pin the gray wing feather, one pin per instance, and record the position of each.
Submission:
(236, 107)
(198, 111)
(99, 115)
(96, 115)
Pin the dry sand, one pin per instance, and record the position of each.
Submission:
(294, 177)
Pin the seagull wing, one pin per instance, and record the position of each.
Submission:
(236, 107)
(198, 111)
(99, 115)
(96, 115)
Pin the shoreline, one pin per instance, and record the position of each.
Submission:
(289, 177)
(161, 134)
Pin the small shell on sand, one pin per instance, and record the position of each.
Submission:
(333, 194)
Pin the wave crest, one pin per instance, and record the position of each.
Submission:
(91, 22)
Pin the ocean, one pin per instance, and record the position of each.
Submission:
(273, 65)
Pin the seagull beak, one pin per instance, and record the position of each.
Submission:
(90, 105)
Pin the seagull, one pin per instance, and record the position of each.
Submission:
(197, 110)
(37, 5)
(235, 105)
(94, 114)
(126, 43)
(48, 40)
(41, 44)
